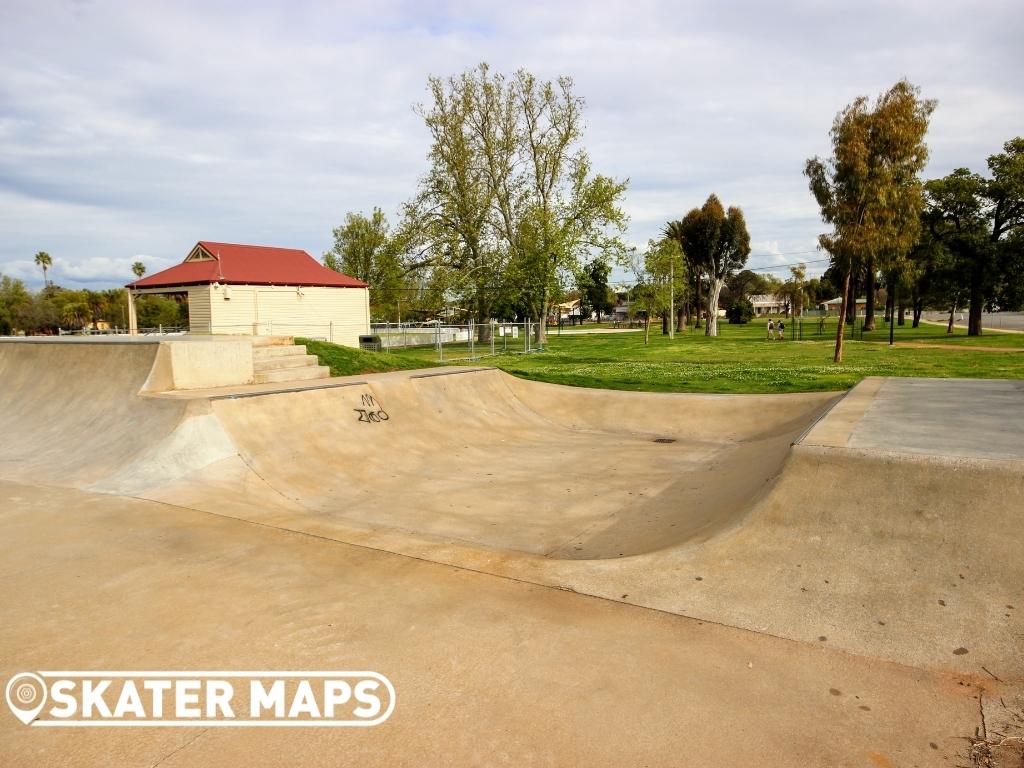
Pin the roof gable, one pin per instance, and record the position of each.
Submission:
(235, 264)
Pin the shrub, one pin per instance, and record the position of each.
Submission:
(740, 313)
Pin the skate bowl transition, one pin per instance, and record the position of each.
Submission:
(884, 521)
(474, 456)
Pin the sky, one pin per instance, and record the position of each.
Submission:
(131, 130)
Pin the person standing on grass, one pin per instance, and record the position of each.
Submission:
(771, 329)
(782, 331)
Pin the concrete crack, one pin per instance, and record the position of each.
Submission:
(173, 752)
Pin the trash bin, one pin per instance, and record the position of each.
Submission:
(369, 342)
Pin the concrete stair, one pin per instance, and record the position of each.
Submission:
(278, 359)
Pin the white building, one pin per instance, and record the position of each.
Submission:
(768, 304)
(261, 291)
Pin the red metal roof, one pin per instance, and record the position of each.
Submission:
(248, 265)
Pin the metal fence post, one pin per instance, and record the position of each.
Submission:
(492, 338)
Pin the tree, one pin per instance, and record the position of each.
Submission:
(138, 269)
(665, 274)
(1005, 195)
(14, 298)
(676, 230)
(594, 291)
(980, 220)
(740, 312)
(510, 205)
(794, 289)
(869, 190)
(718, 241)
(44, 260)
(365, 249)
(452, 209)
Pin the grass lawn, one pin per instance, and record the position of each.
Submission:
(740, 360)
(346, 361)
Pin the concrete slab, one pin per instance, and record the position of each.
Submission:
(445, 538)
(945, 417)
(487, 670)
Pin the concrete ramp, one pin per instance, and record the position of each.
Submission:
(71, 414)
(883, 522)
(481, 458)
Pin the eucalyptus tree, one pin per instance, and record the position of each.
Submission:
(718, 241)
(980, 220)
(869, 189)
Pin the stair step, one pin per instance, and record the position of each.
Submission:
(284, 361)
(294, 374)
(271, 341)
(264, 353)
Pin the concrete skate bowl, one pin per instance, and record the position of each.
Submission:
(469, 456)
(481, 458)
(70, 413)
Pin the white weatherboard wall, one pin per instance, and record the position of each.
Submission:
(333, 314)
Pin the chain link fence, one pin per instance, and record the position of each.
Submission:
(456, 341)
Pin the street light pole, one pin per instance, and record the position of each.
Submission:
(672, 299)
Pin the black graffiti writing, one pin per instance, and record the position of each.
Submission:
(371, 416)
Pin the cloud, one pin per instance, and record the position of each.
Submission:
(132, 128)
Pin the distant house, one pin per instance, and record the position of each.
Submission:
(768, 304)
(261, 291)
(568, 311)
(835, 305)
(621, 310)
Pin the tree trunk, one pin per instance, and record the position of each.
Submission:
(647, 327)
(680, 320)
(869, 293)
(850, 301)
(838, 358)
(918, 306)
(952, 312)
(902, 314)
(714, 289)
(541, 332)
(700, 301)
(664, 323)
(977, 303)
(889, 300)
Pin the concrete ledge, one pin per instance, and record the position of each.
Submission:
(213, 362)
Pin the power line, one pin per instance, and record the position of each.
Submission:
(783, 266)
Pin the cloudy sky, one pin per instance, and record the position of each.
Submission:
(129, 130)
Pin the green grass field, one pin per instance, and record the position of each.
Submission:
(345, 361)
(740, 360)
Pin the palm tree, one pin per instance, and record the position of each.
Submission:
(139, 268)
(44, 260)
(74, 313)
